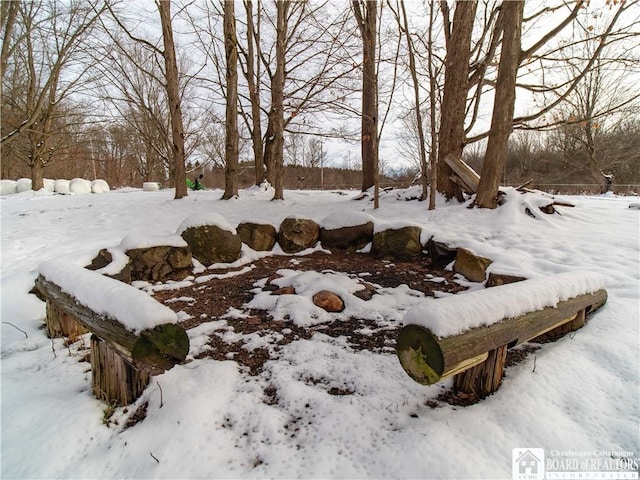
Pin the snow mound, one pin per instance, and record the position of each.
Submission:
(206, 219)
(136, 310)
(99, 186)
(8, 187)
(458, 313)
(80, 186)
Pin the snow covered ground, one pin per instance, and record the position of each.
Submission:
(214, 420)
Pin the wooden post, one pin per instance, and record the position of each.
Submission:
(114, 379)
(59, 323)
(484, 378)
(465, 176)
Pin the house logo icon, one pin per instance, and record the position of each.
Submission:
(528, 463)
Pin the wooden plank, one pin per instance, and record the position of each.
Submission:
(468, 176)
(428, 359)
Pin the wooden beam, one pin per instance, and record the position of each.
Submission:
(469, 178)
(153, 350)
(429, 359)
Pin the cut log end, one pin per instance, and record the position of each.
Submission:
(420, 354)
(160, 348)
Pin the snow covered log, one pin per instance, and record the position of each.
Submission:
(440, 339)
(151, 350)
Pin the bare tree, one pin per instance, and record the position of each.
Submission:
(45, 63)
(231, 113)
(503, 106)
(451, 138)
(366, 13)
(174, 98)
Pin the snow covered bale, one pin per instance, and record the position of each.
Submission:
(8, 187)
(61, 186)
(150, 187)
(79, 186)
(99, 186)
(342, 231)
(297, 234)
(402, 243)
(471, 266)
(49, 185)
(211, 238)
(23, 185)
(261, 237)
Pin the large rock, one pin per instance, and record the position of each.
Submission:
(212, 244)
(258, 236)
(471, 266)
(402, 243)
(297, 234)
(159, 263)
(441, 254)
(104, 259)
(349, 231)
(328, 301)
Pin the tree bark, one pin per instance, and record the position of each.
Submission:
(253, 83)
(274, 144)
(366, 15)
(231, 113)
(173, 95)
(456, 86)
(503, 106)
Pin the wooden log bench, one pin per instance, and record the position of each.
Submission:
(467, 335)
(133, 335)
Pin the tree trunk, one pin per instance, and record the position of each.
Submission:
(173, 95)
(253, 83)
(231, 114)
(274, 145)
(416, 97)
(366, 16)
(503, 106)
(37, 178)
(456, 86)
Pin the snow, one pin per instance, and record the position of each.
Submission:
(131, 242)
(206, 219)
(215, 420)
(134, 309)
(341, 219)
(455, 314)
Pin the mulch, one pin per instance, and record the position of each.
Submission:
(211, 300)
